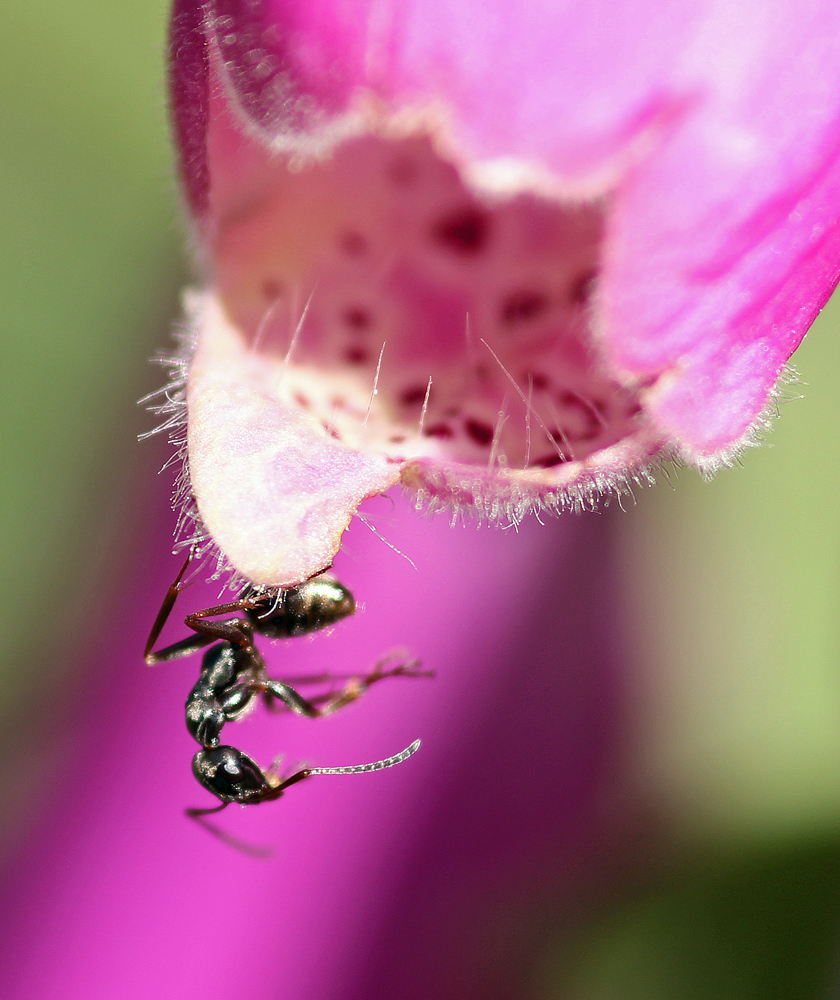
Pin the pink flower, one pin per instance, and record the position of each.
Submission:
(507, 256)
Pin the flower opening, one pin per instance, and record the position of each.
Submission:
(411, 282)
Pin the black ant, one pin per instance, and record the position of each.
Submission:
(233, 673)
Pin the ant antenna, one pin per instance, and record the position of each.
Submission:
(377, 765)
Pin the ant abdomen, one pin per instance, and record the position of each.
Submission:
(316, 604)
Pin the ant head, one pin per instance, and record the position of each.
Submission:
(232, 776)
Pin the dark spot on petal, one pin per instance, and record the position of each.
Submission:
(397, 438)
(403, 170)
(538, 381)
(353, 243)
(338, 402)
(582, 288)
(464, 232)
(439, 431)
(356, 356)
(547, 461)
(523, 305)
(357, 317)
(413, 396)
(301, 400)
(330, 429)
(589, 426)
(272, 289)
(451, 411)
(480, 432)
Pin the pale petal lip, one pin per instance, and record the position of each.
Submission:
(274, 492)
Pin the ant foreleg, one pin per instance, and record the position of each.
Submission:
(237, 631)
(162, 617)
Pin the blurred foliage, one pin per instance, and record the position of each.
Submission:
(88, 273)
(735, 599)
(90, 265)
(759, 926)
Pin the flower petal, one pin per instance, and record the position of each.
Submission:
(603, 76)
(587, 240)
(189, 98)
(274, 492)
(723, 244)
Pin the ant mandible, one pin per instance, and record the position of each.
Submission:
(233, 673)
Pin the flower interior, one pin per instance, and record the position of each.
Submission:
(449, 330)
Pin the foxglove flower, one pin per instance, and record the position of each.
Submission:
(507, 256)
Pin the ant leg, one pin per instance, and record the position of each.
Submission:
(357, 687)
(272, 688)
(234, 630)
(162, 616)
(351, 691)
(310, 707)
(251, 850)
(237, 631)
(196, 813)
(178, 649)
(318, 679)
(226, 609)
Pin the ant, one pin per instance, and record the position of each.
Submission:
(233, 674)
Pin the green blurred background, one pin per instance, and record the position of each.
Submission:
(90, 265)
(732, 586)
